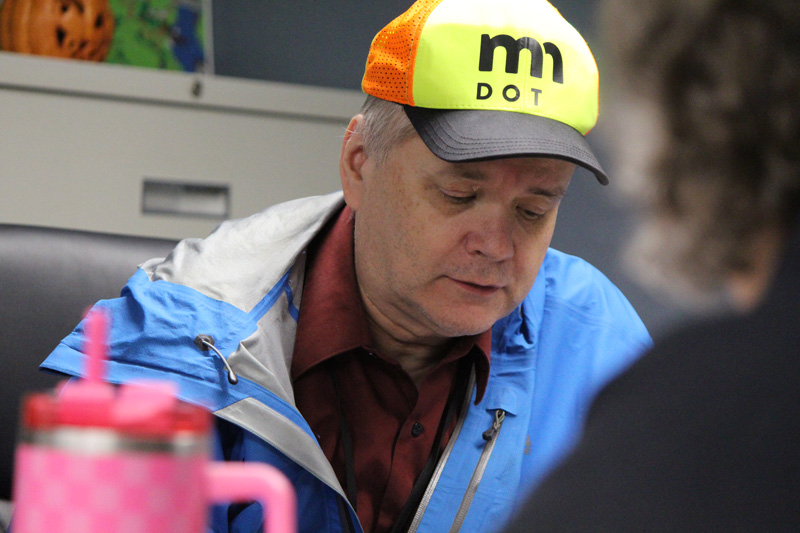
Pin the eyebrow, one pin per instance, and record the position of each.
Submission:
(557, 195)
(538, 191)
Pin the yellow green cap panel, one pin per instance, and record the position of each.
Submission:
(505, 55)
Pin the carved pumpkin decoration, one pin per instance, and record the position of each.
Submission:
(78, 29)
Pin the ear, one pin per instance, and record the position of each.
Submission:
(351, 163)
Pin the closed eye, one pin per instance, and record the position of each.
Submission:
(529, 215)
(457, 198)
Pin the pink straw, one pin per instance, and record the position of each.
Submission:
(96, 333)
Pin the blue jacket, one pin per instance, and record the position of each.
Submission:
(242, 285)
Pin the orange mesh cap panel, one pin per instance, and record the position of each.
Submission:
(390, 65)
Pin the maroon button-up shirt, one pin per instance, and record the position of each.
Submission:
(392, 423)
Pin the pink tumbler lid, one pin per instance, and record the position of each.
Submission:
(45, 411)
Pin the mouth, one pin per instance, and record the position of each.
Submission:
(482, 289)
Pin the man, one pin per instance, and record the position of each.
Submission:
(702, 434)
(409, 353)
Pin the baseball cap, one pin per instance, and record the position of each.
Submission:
(485, 79)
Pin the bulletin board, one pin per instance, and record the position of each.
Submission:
(160, 34)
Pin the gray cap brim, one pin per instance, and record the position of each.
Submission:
(475, 135)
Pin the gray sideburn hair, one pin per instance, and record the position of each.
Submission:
(384, 127)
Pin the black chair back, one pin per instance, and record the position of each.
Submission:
(48, 279)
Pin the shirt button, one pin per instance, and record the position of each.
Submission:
(416, 429)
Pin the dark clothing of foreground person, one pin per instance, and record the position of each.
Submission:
(700, 435)
(703, 433)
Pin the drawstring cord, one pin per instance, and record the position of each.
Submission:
(205, 343)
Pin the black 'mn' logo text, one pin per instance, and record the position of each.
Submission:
(513, 48)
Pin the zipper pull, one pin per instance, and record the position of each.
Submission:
(490, 433)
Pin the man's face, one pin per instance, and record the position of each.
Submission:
(444, 249)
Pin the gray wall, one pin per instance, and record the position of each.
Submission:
(315, 42)
(325, 43)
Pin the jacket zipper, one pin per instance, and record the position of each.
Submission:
(426, 498)
(490, 436)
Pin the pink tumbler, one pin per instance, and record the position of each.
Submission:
(94, 458)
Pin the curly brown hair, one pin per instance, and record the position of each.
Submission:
(720, 82)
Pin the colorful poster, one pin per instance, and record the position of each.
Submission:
(165, 34)
(162, 34)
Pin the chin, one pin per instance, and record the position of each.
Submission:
(458, 327)
(464, 318)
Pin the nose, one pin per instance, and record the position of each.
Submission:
(491, 237)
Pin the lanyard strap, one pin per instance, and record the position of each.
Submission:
(457, 393)
(347, 444)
